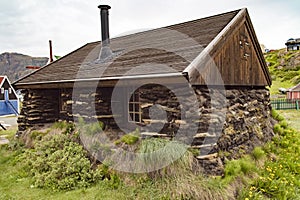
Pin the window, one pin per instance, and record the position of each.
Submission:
(9, 90)
(2, 90)
(63, 100)
(134, 108)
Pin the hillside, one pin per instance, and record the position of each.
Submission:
(284, 67)
(13, 64)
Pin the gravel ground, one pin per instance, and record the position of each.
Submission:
(11, 120)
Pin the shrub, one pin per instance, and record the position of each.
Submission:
(278, 129)
(129, 139)
(90, 128)
(283, 124)
(235, 168)
(232, 168)
(67, 127)
(59, 163)
(276, 116)
(258, 153)
(247, 165)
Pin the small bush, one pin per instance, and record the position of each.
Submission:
(232, 168)
(37, 135)
(59, 163)
(247, 166)
(91, 128)
(283, 124)
(66, 126)
(276, 116)
(235, 168)
(278, 129)
(60, 125)
(129, 139)
(258, 153)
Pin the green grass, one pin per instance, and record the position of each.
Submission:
(14, 184)
(177, 181)
(271, 171)
(276, 84)
(292, 117)
(279, 176)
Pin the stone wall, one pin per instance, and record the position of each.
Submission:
(226, 128)
(248, 124)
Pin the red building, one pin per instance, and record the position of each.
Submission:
(294, 92)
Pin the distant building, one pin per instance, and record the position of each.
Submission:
(9, 102)
(294, 92)
(293, 44)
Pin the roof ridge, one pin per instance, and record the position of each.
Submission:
(174, 25)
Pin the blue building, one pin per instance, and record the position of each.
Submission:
(9, 102)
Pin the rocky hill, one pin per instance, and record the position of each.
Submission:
(284, 67)
(14, 65)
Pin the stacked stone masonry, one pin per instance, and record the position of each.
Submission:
(230, 130)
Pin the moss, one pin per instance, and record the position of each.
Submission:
(195, 152)
(129, 139)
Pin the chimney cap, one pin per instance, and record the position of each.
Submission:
(104, 7)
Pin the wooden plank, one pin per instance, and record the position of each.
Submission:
(204, 146)
(154, 134)
(205, 135)
(208, 156)
(148, 121)
(146, 105)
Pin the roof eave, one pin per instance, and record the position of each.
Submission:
(103, 80)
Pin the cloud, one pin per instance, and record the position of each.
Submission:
(28, 25)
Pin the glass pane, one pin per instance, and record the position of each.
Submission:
(137, 118)
(136, 107)
(131, 117)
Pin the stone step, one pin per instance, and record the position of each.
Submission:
(208, 156)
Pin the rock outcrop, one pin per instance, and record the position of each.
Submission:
(14, 65)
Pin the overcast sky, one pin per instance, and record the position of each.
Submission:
(26, 26)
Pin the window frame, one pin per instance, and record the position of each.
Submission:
(134, 107)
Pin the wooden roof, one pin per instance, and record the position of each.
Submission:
(296, 88)
(1, 79)
(5, 81)
(175, 46)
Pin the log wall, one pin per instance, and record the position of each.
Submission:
(39, 107)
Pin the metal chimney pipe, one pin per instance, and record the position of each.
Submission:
(104, 24)
(50, 48)
(105, 52)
